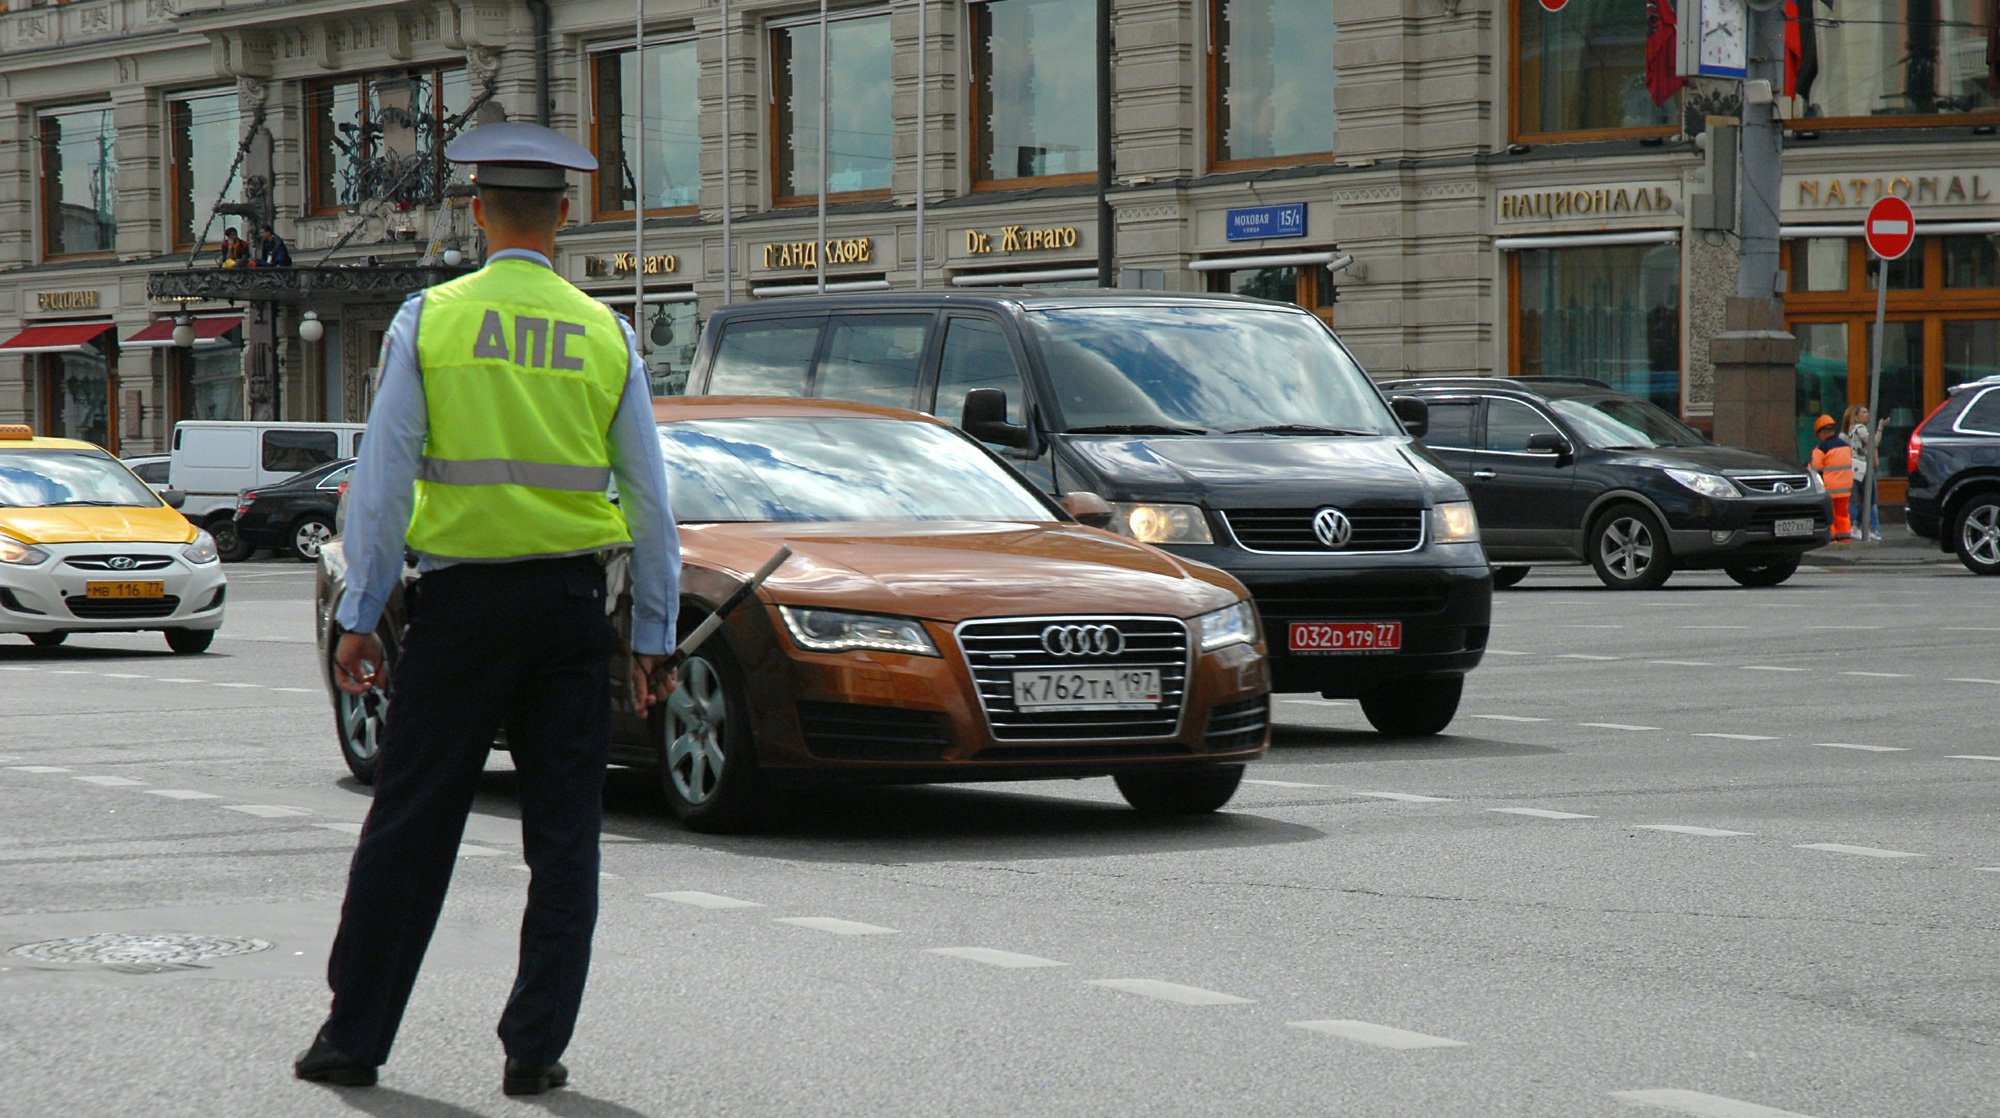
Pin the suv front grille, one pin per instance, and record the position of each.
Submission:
(107, 609)
(995, 650)
(1290, 531)
(1768, 483)
(131, 562)
(1408, 601)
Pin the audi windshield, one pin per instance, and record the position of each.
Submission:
(819, 468)
(1235, 368)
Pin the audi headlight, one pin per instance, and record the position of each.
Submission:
(827, 630)
(1708, 485)
(1454, 522)
(1229, 625)
(19, 554)
(1150, 523)
(201, 551)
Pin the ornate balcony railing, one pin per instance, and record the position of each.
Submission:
(323, 286)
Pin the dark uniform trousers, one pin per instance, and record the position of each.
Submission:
(525, 645)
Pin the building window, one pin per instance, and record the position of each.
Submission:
(207, 381)
(203, 130)
(1310, 286)
(381, 137)
(1906, 58)
(77, 391)
(858, 140)
(1609, 312)
(672, 112)
(1582, 71)
(1034, 90)
(79, 180)
(1271, 81)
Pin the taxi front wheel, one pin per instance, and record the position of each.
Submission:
(187, 642)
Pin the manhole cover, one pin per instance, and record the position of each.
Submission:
(130, 948)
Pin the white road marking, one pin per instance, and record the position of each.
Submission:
(1706, 832)
(267, 811)
(1970, 628)
(343, 828)
(836, 926)
(8, 760)
(298, 690)
(1615, 726)
(1863, 851)
(1581, 656)
(1862, 748)
(1577, 626)
(1739, 737)
(1407, 797)
(1169, 991)
(1702, 1106)
(1319, 702)
(1990, 682)
(123, 675)
(1989, 869)
(468, 850)
(1715, 626)
(1540, 813)
(1283, 783)
(699, 899)
(110, 781)
(38, 768)
(182, 794)
(1772, 668)
(1880, 675)
(17, 668)
(1489, 652)
(239, 685)
(177, 679)
(1509, 718)
(1840, 628)
(994, 958)
(1381, 1036)
(68, 671)
(1969, 757)
(1684, 663)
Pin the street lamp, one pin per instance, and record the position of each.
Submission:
(310, 328)
(184, 330)
(452, 257)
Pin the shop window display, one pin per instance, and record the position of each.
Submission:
(1609, 312)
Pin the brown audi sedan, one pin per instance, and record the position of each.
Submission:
(939, 620)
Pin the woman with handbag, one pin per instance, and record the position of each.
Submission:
(1863, 440)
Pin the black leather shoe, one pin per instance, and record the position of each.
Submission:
(524, 1078)
(323, 1063)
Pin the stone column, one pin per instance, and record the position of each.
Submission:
(1756, 376)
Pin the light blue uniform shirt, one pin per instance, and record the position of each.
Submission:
(382, 490)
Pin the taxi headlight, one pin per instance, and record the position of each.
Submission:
(1454, 522)
(19, 554)
(1151, 523)
(202, 550)
(1229, 625)
(827, 630)
(1713, 486)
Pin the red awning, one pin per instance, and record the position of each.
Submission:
(68, 337)
(207, 331)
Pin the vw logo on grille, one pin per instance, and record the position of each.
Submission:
(1333, 528)
(121, 562)
(1782, 487)
(1083, 640)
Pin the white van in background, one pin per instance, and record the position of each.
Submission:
(215, 459)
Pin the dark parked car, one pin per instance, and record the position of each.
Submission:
(1568, 470)
(297, 514)
(1954, 464)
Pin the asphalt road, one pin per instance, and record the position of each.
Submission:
(1701, 851)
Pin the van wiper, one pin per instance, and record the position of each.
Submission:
(1294, 429)
(1136, 429)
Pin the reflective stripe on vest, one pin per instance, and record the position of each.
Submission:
(522, 374)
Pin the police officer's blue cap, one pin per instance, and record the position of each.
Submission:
(519, 156)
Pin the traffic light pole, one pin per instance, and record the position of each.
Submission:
(1762, 139)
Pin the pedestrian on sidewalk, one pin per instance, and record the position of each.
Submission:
(509, 401)
(1862, 440)
(1833, 461)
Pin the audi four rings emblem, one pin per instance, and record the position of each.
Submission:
(1333, 528)
(1083, 640)
(120, 563)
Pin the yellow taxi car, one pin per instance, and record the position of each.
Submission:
(86, 547)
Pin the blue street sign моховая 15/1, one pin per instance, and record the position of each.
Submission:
(1257, 223)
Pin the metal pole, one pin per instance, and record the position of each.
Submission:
(923, 128)
(825, 126)
(1875, 382)
(728, 188)
(639, 182)
(1762, 167)
(1106, 249)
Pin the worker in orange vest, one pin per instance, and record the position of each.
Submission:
(1833, 461)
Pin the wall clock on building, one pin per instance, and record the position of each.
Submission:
(1715, 38)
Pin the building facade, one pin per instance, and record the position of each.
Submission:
(1459, 186)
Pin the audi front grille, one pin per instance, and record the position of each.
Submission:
(995, 650)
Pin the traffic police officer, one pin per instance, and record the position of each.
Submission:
(508, 402)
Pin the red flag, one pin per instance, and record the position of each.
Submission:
(1794, 48)
(1661, 33)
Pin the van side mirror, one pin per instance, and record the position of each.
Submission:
(1415, 414)
(1549, 442)
(1088, 508)
(985, 419)
(174, 498)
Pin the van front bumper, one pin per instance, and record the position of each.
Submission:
(1445, 614)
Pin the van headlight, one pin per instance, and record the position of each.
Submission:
(202, 551)
(1454, 522)
(829, 630)
(1154, 523)
(1229, 625)
(19, 554)
(1713, 486)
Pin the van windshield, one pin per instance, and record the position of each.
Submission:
(1204, 369)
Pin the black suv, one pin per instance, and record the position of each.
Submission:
(1954, 495)
(1565, 470)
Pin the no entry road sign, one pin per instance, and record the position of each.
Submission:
(1554, 5)
(1891, 227)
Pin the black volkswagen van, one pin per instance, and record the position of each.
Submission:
(1235, 431)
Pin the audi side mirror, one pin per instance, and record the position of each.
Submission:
(1414, 414)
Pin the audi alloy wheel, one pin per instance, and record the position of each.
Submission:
(708, 763)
